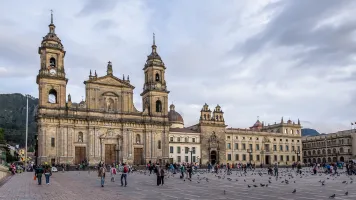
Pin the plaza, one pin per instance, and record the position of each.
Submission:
(84, 185)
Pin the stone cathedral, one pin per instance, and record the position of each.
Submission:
(105, 126)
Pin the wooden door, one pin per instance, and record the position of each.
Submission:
(110, 156)
(79, 155)
(138, 152)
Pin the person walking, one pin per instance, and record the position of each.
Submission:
(162, 176)
(47, 173)
(113, 173)
(124, 175)
(38, 173)
(276, 169)
(158, 173)
(101, 174)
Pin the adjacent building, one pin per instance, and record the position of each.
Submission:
(333, 147)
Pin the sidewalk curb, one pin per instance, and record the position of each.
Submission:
(5, 179)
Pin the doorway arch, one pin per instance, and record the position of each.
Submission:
(213, 157)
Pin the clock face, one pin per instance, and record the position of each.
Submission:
(52, 71)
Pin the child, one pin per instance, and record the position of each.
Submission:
(113, 173)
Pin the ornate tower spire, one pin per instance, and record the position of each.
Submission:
(154, 47)
(109, 69)
(298, 121)
(51, 26)
(282, 121)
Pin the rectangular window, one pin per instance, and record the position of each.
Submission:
(287, 158)
(171, 139)
(228, 145)
(298, 148)
(186, 150)
(178, 139)
(293, 148)
(53, 144)
(293, 158)
(228, 137)
(228, 156)
(236, 146)
(193, 139)
(281, 158)
(275, 157)
(257, 147)
(194, 159)
(243, 146)
(281, 147)
(179, 159)
(178, 149)
(251, 157)
(250, 146)
(170, 149)
(237, 157)
(193, 149)
(186, 159)
(287, 148)
(243, 157)
(258, 157)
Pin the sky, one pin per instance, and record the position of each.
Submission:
(261, 59)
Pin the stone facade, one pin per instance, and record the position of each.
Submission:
(333, 147)
(105, 126)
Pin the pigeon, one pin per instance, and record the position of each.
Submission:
(332, 196)
(255, 186)
(249, 186)
(294, 191)
(346, 193)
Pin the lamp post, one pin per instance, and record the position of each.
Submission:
(326, 150)
(117, 149)
(297, 152)
(101, 150)
(26, 128)
(191, 156)
(249, 151)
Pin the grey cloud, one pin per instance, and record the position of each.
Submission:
(95, 6)
(104, 25)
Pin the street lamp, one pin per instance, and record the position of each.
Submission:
(27, 96)
(117, 149)
(249, 151)
(297, 152)
(101, 150)
(191, 156)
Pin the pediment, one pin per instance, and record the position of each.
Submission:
(110, 80)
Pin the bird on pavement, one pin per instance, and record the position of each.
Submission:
(332, 196)
(294, 191)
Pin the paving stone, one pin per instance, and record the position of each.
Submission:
(84, 185)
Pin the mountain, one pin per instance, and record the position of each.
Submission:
(309, 132)
(13, 118)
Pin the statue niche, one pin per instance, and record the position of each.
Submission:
(109, 104)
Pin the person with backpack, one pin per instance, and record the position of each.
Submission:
(158, 173)
(113, 173)
(38, 173)
(124, 175)
(101, 174)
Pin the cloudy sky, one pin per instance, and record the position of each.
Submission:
(254, 58)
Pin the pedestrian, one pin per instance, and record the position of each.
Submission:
(47, 173)
(158, 173)
(113, 173)
(162, 176)
(38, 173)
(182, 170)
(101, 174)
(124, 175)
(276, 169)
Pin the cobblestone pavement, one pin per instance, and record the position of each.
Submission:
(82, 185)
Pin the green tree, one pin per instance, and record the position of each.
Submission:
(2, 136)
(31, 149)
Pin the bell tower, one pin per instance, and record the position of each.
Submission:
(51, 78)
(155, 93)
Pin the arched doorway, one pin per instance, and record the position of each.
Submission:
(314, 160)
(334, 159)
(324, 160)
(213, 157)
(305, 160)
(342, 159)
(319, 160)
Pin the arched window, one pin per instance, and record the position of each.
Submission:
(205, 116)
(52, 62)
(80, 137)
(329, 151)
(159, 144)
(158, 106)
(220, 118)
(138, 139)
(217, 118)
(314, 152)
(319, 160)
(52, 96)
(157, 77)
(186, 140)
(324, 152)
(334, 150)
(318, 152)
(341, 150)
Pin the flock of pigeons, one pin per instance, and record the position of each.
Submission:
(286, 176)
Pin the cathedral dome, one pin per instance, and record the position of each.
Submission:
(175, 118)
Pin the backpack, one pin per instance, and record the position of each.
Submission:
(114, 171)
(125, 169)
